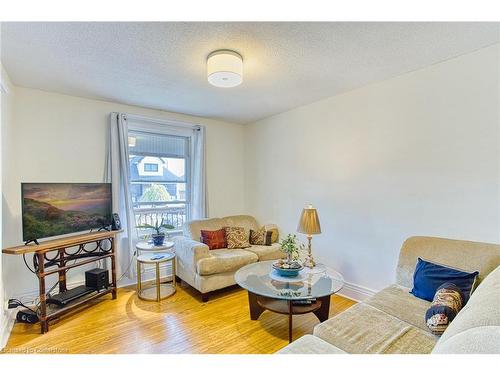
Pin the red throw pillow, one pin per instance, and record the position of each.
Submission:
(214, 239)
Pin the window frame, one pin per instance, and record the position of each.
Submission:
(153, 127)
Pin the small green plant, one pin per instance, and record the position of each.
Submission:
(157, 227)
(290, 246)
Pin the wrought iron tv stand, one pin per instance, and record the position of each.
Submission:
(51, 257)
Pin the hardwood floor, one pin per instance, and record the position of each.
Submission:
(179, 324)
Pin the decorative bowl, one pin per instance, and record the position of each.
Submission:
(288, 272)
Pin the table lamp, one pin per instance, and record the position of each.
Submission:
(309, 225)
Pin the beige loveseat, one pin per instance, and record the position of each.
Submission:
(392, 321)
(209, 270)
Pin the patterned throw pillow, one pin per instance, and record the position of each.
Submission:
(447, 302)
(261, 237)
(214, 239)
(237, 238)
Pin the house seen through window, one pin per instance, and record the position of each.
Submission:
(150, 167)
(159, 183)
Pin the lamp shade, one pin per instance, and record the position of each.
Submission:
(309, 221)
(225, 68)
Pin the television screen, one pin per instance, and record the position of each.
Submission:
(52, 209)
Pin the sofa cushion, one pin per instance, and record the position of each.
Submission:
(398, 302)
(445, 306)
(429, 276)
(273, 228)
(225, 260)
(214, 239)
(246, 221)
(237, 237)
(365, 329)
(261, 237)
(267, 252)
(479, 340)
(481, 310)
(309, 344)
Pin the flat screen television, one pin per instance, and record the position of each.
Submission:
(52, 209)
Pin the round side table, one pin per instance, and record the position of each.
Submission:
(158, 290)
(148, 246)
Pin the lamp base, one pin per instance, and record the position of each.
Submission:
(309, 262)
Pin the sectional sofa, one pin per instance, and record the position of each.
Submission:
(393, 320)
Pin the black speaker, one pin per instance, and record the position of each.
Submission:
(115, 223)
(27, 316)
(97, 279)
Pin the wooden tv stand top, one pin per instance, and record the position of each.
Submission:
(60, 243)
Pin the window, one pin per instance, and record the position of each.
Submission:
(159, 178)
(150, 167)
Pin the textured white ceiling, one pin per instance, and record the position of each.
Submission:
(162, 65)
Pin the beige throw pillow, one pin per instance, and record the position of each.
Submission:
(237, 238)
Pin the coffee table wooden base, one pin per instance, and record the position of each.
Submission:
(258, 304)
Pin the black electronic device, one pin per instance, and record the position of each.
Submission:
(115, 222)
(304, 302)
(97, 279)
(62, 299)
(27, 316)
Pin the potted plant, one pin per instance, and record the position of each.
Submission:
(289, 266)
(291, 248)
(159, 236)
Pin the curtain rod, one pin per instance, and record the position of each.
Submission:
(177, 123)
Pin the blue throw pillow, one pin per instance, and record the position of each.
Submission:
(429, 276)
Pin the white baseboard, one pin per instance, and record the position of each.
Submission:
(356, 292)
(6, 328)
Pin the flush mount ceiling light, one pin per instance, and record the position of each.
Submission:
(225, 68)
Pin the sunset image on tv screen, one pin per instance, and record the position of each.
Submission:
(51, 209)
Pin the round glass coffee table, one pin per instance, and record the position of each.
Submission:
(308, 292)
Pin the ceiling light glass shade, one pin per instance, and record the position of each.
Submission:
(225, 68)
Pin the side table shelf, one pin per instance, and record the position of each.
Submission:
(161, 290)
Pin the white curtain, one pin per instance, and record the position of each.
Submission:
(117, 172)
(199, 207)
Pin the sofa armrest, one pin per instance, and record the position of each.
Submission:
(189, 252)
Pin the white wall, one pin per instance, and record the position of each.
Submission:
(6, 98)
(59, 138)
(414, 155)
